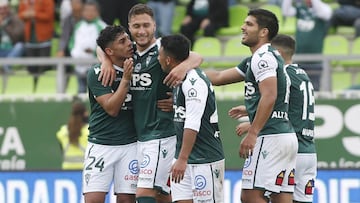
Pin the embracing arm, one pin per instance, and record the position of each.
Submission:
(178, 73)
(107, 74)
(224, 77)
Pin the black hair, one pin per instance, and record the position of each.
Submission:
(108, 35)
(266, 19)
(176, 46)
(286, 42)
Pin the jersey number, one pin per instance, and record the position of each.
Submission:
(309, 100)
(99, 163)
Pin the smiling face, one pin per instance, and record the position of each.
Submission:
(142, 28)
(250, 31)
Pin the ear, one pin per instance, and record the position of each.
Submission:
(109, 51)
(168, 60)
(264, 32)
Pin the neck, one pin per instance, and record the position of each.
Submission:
(142, 48)
(118, 62)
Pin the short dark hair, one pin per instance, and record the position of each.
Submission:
(286, 42)
(93, 3)
(108, 35)
(139, 9)
(176, 46)
(266, 19)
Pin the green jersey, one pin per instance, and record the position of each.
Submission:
(195, 108)
(301, 108)
(310, 30)
(267, 62)
(103, 128)
(147, 88)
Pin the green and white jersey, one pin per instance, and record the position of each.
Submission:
(243, 66)
(147, 88)
(103, 128)
(195, 108)
(301, 107)
(310, 30)
(266, 62)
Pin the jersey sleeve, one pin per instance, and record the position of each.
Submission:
(263, 65)
(196, 92)
(94, 85)
(243, 66)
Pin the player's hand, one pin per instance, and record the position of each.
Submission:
(178, 170)
(247, 145)
(237, 112)
(128, 68)
(175, 77)
(242, 128)
(166, 105)
(107, 74)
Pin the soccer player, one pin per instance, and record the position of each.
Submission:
(301, 116)
(154, 127)
(270, 145)
(112, 142)
(199, 156)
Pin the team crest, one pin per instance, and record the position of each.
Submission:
(137, 67)
(87, 178)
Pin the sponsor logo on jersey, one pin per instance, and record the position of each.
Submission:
(280, 178)
(263, 64)
(87, 178)
(192, 81)
(192, 93)
(217, 173)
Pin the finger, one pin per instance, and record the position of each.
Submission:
(100, 76)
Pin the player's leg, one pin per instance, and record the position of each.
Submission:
(306, 170)
(98, 172)
(126, 174)
(155, 158)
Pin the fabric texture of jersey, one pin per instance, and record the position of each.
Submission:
(105, 129)
(147, 88)
(267, 62)
(301, 107)
(195, 108)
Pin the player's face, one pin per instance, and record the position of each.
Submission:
(122, 47)
(142, 28)
(163, 60)
(250, 32)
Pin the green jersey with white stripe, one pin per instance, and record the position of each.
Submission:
(147, 88)
(103, 128)
(195, 108)
(301, 107)
(267, 62)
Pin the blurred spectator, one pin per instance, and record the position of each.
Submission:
(116, 9)
(83, 40)
(67, 29)
(11, 34)
(206, 15)
(73, 136)
(164, 12)
(64, 10)
(312, 19)
(348, 14)
(39, 17)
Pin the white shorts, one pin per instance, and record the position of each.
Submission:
(201, 183)
(105, 164)
(306, 170)
(272, 166)
(155, 157)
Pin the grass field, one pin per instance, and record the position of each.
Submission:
(21, 83)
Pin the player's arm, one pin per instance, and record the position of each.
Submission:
(178, 73)
(179, 167)
(224, 77)
(166, 105)
(113, 102)
(108, 73)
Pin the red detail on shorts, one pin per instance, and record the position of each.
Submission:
(168, 181)
(280, 178)
(291, 178)
(309, 187)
